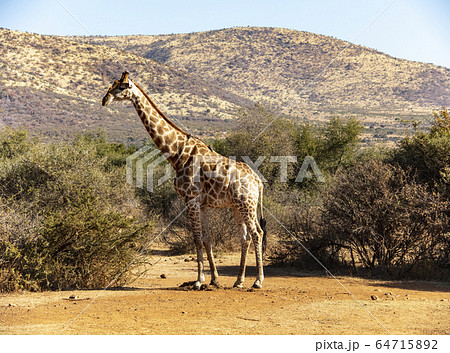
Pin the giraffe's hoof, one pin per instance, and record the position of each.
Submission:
(238, 285)
(215, 284)
(257, 284)
(197, 285)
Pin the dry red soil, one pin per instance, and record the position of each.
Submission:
(291, 302)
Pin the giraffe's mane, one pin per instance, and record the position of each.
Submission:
(171, 123)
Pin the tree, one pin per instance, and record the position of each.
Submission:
(262, 135)
(427, 153)
(387, 220)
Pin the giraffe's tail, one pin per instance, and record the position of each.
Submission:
(262, 220)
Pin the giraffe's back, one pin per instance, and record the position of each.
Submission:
(218, 182)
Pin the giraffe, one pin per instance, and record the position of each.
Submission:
(203, 179)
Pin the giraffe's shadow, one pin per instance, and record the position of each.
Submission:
(230, 272)
(269, 271)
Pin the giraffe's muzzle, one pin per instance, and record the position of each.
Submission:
(107, 99)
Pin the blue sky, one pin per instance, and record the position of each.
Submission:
(410, 29)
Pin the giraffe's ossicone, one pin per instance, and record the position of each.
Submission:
(203, 179)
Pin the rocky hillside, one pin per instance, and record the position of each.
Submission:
(273, 66)
(55, 83)
(54, 86)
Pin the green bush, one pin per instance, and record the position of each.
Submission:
(339, 144)
(374, 216)
(85, 224)
(260, 133)
(427, 153)
(13, 142)
(386, 221)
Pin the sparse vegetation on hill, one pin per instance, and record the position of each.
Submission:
(53, 85)
(272, 66)
(261, 61)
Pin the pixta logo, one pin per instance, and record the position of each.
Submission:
(144, 165)
(148, 168)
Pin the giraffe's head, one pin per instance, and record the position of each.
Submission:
(120, 90)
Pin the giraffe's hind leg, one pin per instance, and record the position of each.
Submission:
(245, 244)
(257, 236)
(249, 215)
(207, 242)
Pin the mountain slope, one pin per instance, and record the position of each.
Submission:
(55, 85)
(273, 65)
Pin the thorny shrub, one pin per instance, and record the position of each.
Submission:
(68, 220)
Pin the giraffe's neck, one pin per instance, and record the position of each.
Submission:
(168, 138)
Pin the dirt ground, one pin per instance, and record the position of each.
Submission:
(291, 302)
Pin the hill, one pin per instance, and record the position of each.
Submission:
(272, 66)
(55, 83)
(54, 86)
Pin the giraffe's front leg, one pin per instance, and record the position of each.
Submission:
(245, 243)
(208, 247)
(194, 213)
(200, 268)
(257, 239)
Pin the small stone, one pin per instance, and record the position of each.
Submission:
(73, 297)
(373, 297)
(163, 276)
(12, 305)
